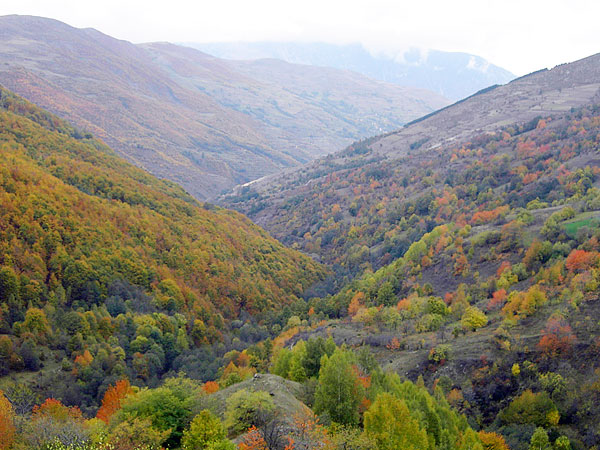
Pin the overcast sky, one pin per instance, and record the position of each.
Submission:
(519, 35)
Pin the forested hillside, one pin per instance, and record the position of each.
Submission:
(105, 268)
(466, 256)
(363, 207)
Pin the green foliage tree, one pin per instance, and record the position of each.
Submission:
(168, 408)
(539, 440)
(205, 432)
(137, 433)
(534, 408)
(339, 391)
(389, 423)
(562, 443)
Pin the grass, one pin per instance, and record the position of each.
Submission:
(583, 220)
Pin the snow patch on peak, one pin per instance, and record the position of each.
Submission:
(479, 64)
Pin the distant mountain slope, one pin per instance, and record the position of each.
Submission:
(192, 118)
(364, 206)
(453, 75)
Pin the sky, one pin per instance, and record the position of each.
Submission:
(519, 35)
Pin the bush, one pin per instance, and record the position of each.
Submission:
(531, 408)
(439, 354)
(246, 409)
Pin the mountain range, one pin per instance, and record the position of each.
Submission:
(454, 75)
(205, 123)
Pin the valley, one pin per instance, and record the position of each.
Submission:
(380, 269)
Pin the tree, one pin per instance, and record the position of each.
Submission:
(539, 440)
(7, 426)
(580, 260)
(557, 338)
(111, 402)
(385, 294)
(206, 432)
(253, 440)
(167, 409)
(53, 422)
(492, 441)
(246, 409)
(356, 303)
(210, 387)
(473, 318)
(389, 423)
(339, 391)
(36, 323)
(534, 408)
(136, 433)
(562, 443)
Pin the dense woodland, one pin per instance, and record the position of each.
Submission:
(107, 272)
(457, 308)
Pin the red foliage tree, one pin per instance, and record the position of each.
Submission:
(557, 338)
(498, 299)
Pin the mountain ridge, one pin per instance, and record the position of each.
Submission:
(452, 74)
(188, 116)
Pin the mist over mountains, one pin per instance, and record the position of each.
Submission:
(452, 74)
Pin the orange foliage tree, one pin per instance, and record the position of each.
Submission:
(253, 440)
(356, 303)
(111, 402)
(580, 260)
(210, 387)
(493, 441)
(55, 409)
(498, 299)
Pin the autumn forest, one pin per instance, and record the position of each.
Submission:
(431, 288)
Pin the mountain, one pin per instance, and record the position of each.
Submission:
(93, 251)
(346, 208)
(466, 253)
(451, 74)
(205, 123)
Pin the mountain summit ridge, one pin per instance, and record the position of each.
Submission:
(454, 75)
(205, 123)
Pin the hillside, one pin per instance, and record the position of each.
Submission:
(364, 206)
(205, 123)
(466, 252)
(453, 75)
(99, 259)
